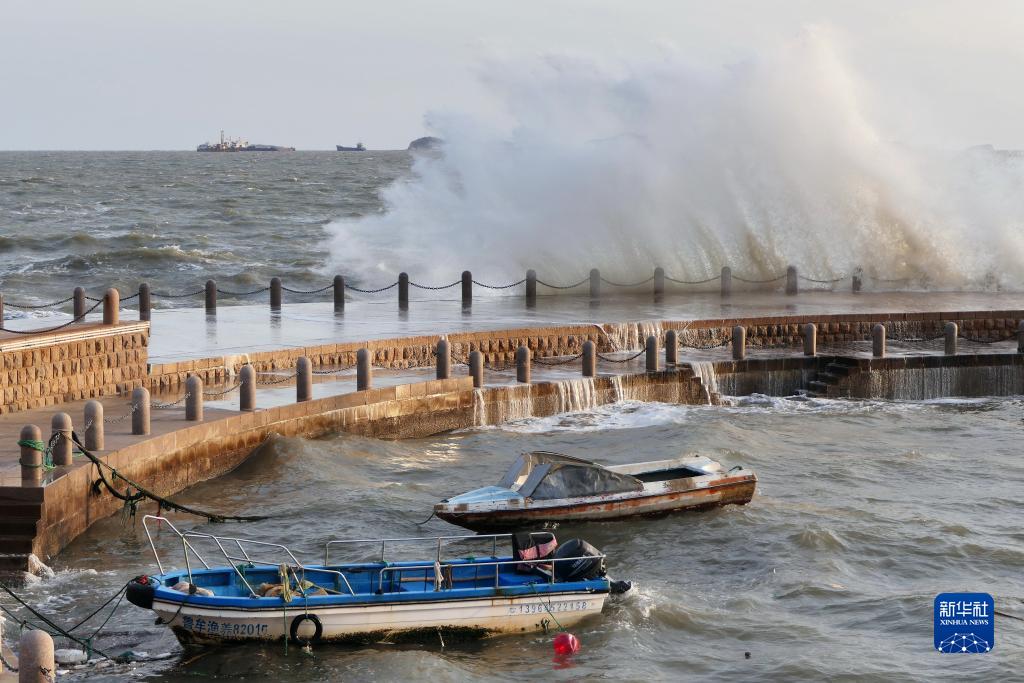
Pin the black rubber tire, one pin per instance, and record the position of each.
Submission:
(294, 630)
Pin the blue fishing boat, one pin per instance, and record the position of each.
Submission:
(263, 592)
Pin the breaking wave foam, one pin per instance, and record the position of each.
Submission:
(762, 164)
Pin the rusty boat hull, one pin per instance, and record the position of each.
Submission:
(660, 495)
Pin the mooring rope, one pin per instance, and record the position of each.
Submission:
(142, 492)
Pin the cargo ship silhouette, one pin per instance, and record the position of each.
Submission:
(358, 148)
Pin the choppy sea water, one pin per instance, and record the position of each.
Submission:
(174, 219)
(865, 510)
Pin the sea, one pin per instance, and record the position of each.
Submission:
(864, 512)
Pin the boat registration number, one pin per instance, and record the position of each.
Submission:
(543, 608)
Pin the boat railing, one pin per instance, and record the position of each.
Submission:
(439, 541)
(188, 547)
(439, 568)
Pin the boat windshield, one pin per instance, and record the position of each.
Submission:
(543, 476)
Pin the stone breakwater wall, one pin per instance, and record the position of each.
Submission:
(83, 362)
(499, 346)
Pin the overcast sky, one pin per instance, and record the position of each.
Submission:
(139, 74)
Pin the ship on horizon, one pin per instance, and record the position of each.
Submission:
(239, 145)
(358, 148)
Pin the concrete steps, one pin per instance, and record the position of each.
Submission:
(836, 370)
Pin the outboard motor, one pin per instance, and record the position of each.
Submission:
(589, 566)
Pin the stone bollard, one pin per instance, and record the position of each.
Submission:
(31, 459)
(403, 291)
(595, 283)
(531, 288)
(1, 310)
(303, 379)
(951, 331)
(62, 446)
(476, 368)
(444, 359)
(93, 438)
(810, 339)
(652, 354)
(792, 286)
(78, 307)
(194, 400)
(35, 657)
(671, 347)
(247, 388)
(140, 411)
(145, 302)
(878, 340)
(211, 296)
(739, 342)
(467, 289)
(858, 279)
(364, 370)
(1020, 337)
(589, 359)
(275, 293)
(111, 307)
(726, 281)
(523, 365)
(339, 293)
(659, 283)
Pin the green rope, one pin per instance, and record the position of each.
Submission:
(546, 608)
(43, 448)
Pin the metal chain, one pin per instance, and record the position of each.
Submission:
(824, 282)
(622, 360)
(215, 394)
(982, 341)
(509, 286)
(178, 296)
(541, 361)
(692, 282)
(255, 291)
(280, 380)
(337, 371)
(627, 284)
(708, 347)
(164, 406)
(547, 284)
(434, 288)
(58, 327)
(115, 420)
(36, 306)
(310, 291)
(372, 291)
(758, 282)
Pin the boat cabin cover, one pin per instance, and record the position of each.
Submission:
(543, 475)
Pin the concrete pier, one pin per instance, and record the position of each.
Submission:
(145, 302)
(303, 380)
(339, 293)
(111, 307)
(247, 388)
(652, 359)
(276, 295)
(93, 436)
(444, 359)
(739, 342)
(140, 411)
(589, 359)
(878, 341)
(210, 296)
(523, 365)
(810, 339)
(671, 347)
(60, 435)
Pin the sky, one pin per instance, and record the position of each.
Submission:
(140, 74)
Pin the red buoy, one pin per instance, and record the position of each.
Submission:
(566, 644)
